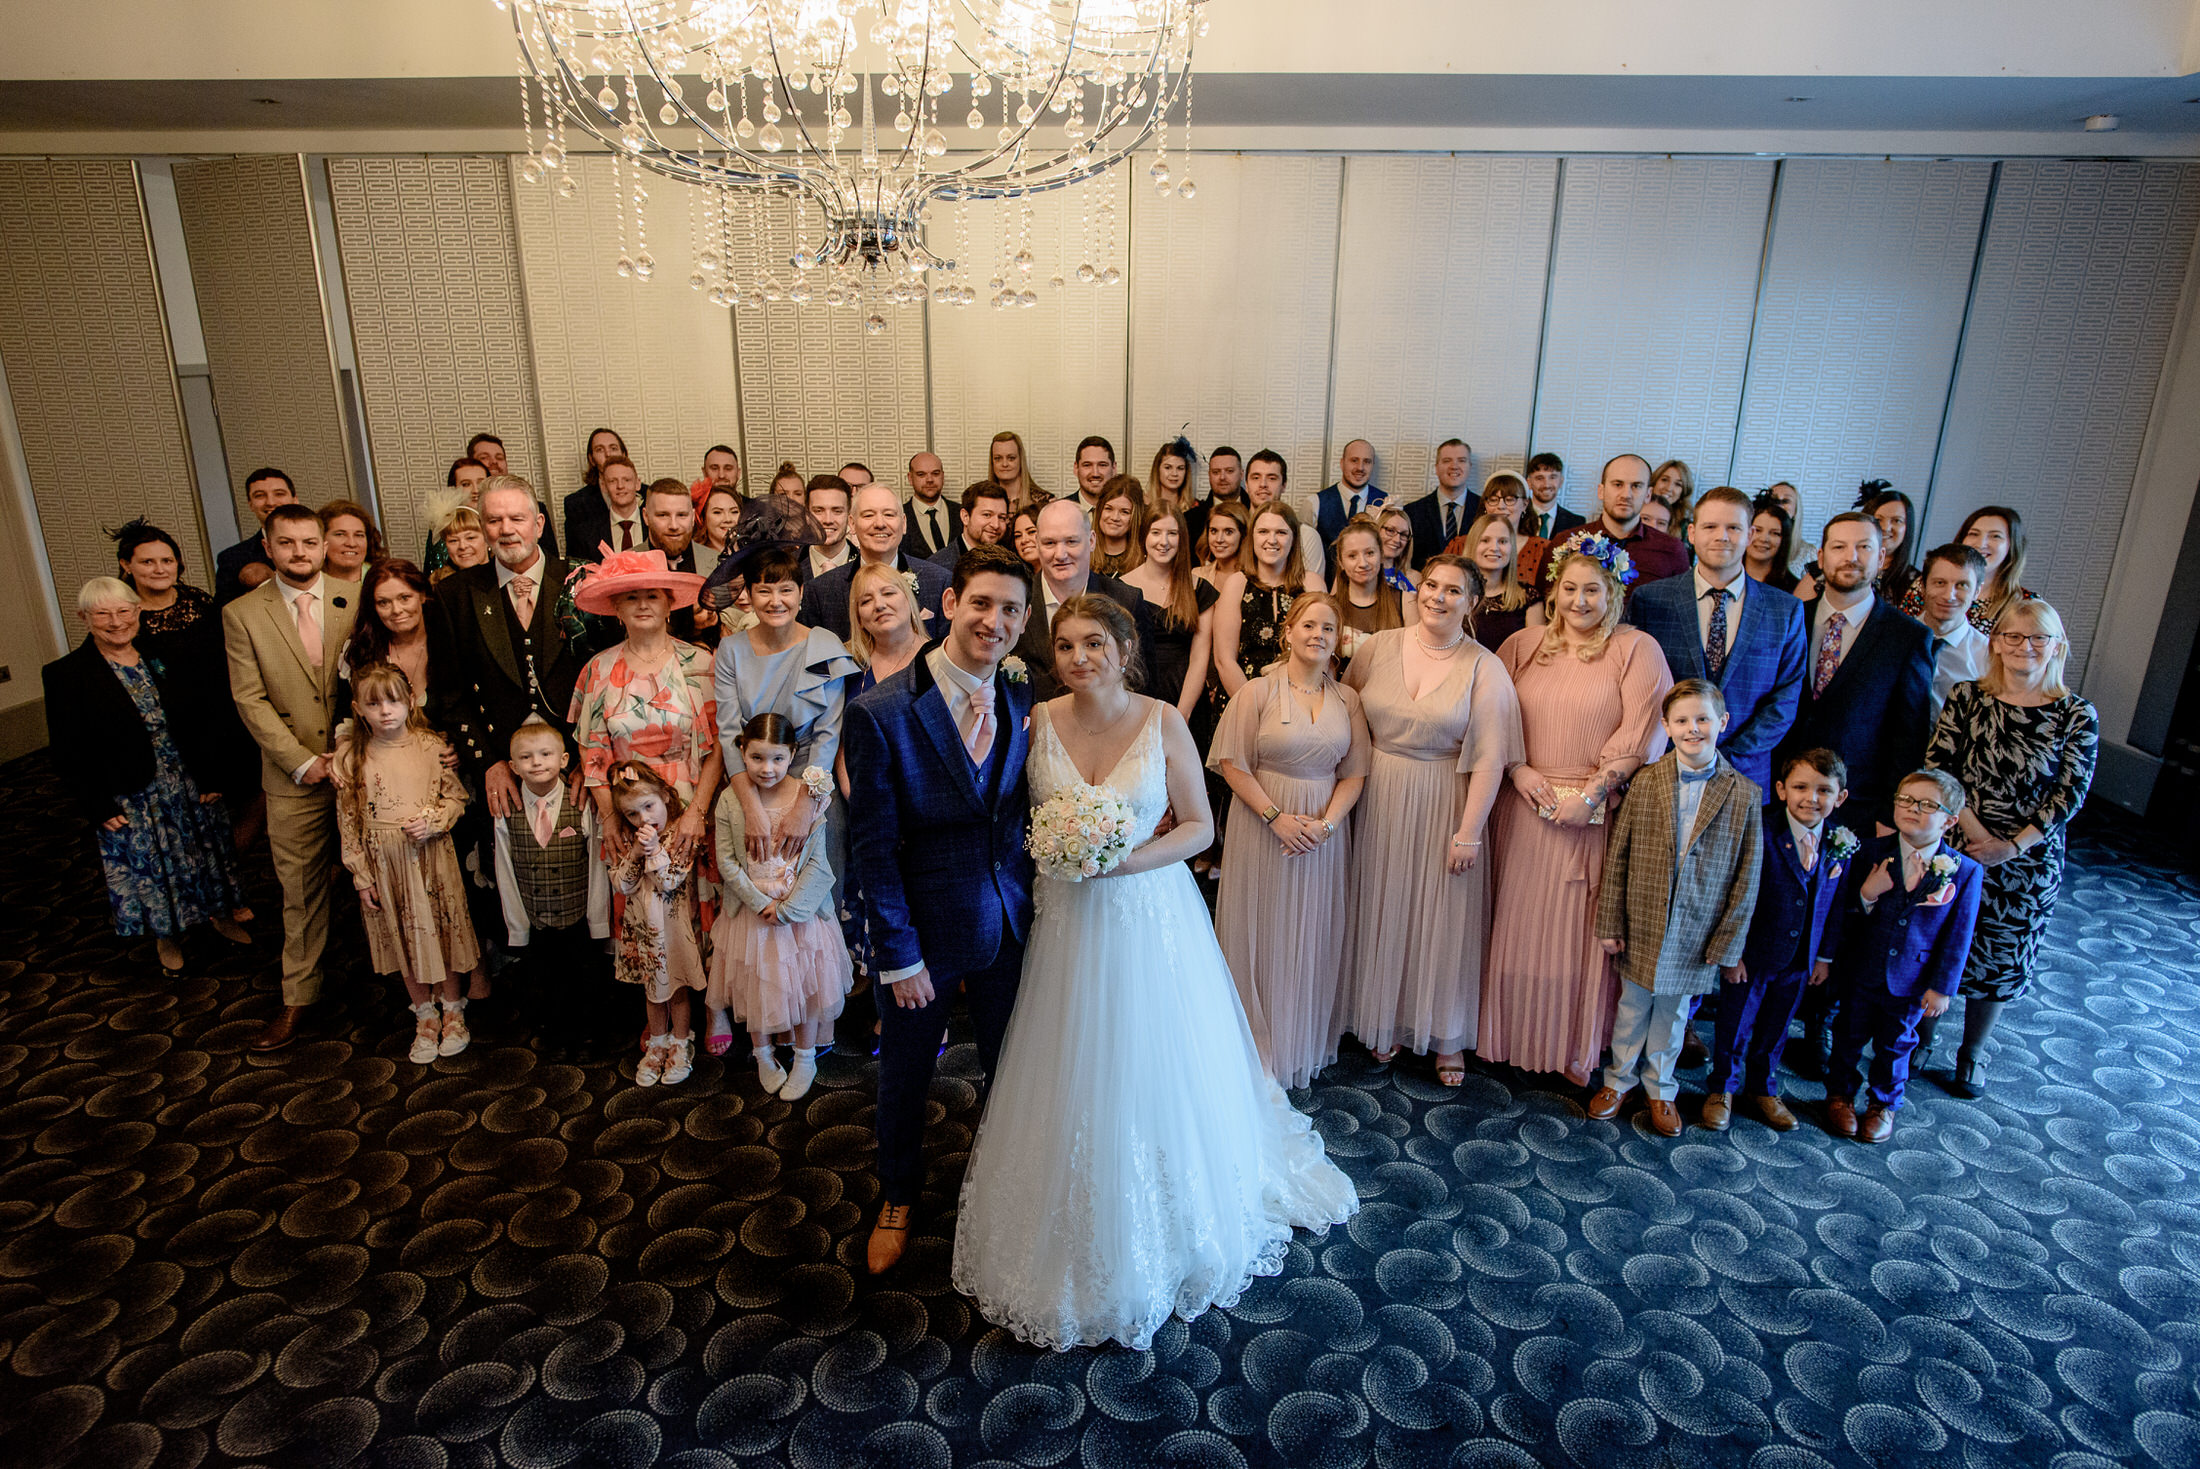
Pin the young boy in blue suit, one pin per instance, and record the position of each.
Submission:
(1790, 937)
(1909, 907)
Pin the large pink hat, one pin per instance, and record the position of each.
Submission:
(633, 571)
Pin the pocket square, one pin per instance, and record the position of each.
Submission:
(565, 831)
(1940, 898)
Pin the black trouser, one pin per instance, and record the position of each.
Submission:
(908, 1053)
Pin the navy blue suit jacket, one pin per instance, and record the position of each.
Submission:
(1329, 516)
(942, 867)
(1873, 713)
(1790, 930)
(1906, 946)
(825, 598)
(1763, 678)
(229, 568)
(1562, 521)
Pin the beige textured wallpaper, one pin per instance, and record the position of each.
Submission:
(89, 366)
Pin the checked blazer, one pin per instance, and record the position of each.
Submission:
(1681, 920)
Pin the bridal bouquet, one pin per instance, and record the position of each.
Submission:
(1080, 832)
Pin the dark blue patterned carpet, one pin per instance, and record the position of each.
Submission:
(511, 1257)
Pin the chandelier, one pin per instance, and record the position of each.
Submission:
(778, 104)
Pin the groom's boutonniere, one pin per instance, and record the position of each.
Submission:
(1012, 669)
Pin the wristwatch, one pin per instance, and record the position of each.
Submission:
(1271, 813)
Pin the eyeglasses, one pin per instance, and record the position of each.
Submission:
(1917, 805)
(2039, 642)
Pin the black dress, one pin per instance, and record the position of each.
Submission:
(1172, 655)
(1492, 624)
(186, 638)
(2020, 767)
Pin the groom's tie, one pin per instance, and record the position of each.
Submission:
(977, 724)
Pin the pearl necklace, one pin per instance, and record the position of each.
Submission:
(1438, 652)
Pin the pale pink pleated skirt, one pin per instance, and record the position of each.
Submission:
(1548, 990)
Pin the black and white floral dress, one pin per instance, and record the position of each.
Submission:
(2019, 767)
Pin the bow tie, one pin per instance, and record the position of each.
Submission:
(1698, 777)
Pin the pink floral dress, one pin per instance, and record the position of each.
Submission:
(668, 720)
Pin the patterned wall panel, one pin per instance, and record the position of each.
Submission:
(2077, 294)
(1856, 334)
(439, 326)
(1439, 307)
(816, 388)
(1231, 295)
(652, 359)
(250, 234)
(88, 364)
(1053, 372)
(1655, 282)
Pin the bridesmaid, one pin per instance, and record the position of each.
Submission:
(1589, 694)
(1293, 748)
(1443, 726)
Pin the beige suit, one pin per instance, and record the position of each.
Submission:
(289, 707)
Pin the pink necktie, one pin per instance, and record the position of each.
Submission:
(546, 819)
(1829, 652)
(1806, 848)
(1913, 868)
(309, 629)
(523, 599)
(978, 724)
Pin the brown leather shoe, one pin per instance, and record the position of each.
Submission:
(1694, 1052)
(1877, 1126)
(1604, 1106)
(1718, 1111)
(278, 1032)
(1665, 1118)
(889, 1238)
(1840, 1117)
(1776, 1114)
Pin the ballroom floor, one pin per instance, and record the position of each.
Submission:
(332, 1256)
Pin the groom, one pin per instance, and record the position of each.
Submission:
(936, 817)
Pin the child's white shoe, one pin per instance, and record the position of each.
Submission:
(455, 1034)
(651, 1068)
(800, 1075)
(679, 1060)
(427, 1033)
(769, 1075)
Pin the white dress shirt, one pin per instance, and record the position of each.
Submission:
(319, 614)
(1856, 616)
(517, 930)
(1816, 836)
(920, 515)
(1469, 508)
(955, 686)
(632, 518)
(820, 563)
(1958, 657)
(1734, 594)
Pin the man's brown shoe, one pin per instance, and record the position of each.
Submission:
(1840, 1117)
(1776, 1114)
(1718, 1111)
(1877, 1126)
(889, 1238)
(278, 1032)
(1604, 1106)
(1693, 1051)
(1665, 1118)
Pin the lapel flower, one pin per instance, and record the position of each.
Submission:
(1841, 844)
(1012, 669)
(817, 782)
(1941, 874)
(909, 580)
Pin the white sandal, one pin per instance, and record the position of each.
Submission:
(651, 1068)
(427, 1034)
(679, 1060)
(455, 1034)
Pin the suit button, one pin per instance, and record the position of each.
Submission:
(1892, 952)
(996, 866)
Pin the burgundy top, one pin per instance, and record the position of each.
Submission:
(1655, 554)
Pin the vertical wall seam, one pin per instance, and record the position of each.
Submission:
(1756, 315)
(1336, 307)
(175, 393)
(1543, 331)
(1963, 342)
(323, 281)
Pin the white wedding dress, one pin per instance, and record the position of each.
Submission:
(1134, 1161)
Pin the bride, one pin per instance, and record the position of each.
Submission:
(1134, 1162)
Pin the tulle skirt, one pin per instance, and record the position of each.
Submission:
(776, 976)
(1134, 1162)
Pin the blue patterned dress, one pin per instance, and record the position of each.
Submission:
(170, 867)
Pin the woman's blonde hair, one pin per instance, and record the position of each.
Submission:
(1294, 565)
(1299, 604)
(101, 591)
(1507, 591)
(1389, 513)
(2044, 619)
(1554, 627)
(374, 682)
(859, 640)
(1389, 606)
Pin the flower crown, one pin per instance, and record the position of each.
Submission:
(1608, 554)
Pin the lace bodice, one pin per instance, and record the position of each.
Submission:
(1141, 777)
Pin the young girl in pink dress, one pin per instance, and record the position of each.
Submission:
(395, 808)
(778, 960)
(658, 941)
